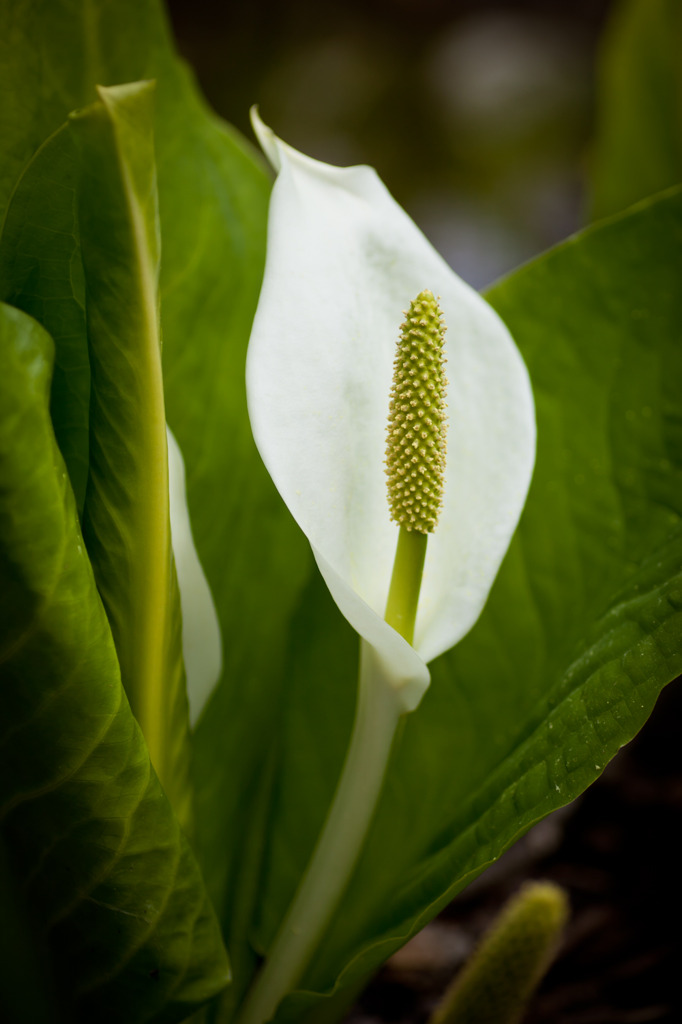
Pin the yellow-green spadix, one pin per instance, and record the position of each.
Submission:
(343, 263)
(415, 449)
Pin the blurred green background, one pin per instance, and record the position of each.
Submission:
(478, 115)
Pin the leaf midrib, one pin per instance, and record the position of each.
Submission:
(153, 532)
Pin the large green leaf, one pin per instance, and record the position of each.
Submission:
(213, 204)
(638, 148)
(104, 869)
(582, 629)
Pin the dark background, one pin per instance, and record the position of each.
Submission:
(477, 115)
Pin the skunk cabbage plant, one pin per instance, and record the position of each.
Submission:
(198, 805)
(342, 260)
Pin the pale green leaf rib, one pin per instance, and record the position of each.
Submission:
(126, 517)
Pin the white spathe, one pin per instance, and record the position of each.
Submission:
(201, 639)
(343, 262)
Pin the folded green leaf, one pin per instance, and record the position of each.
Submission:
(92, 840)
(126, 520)
(213, 196)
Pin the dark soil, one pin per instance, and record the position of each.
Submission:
(617, 852)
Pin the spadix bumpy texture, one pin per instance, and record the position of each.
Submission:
(342, 261)
(415, 449)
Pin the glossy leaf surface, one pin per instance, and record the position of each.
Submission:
(90, 836)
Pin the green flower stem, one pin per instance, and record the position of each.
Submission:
(338, 847)
(403, 594)
(497, 983)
